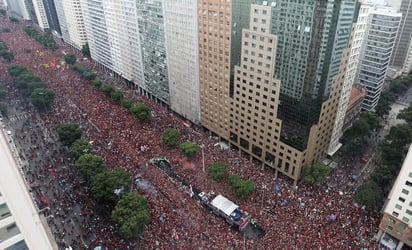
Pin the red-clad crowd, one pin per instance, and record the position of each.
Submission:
(309, 217)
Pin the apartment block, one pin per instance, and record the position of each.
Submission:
(395, 228)
(40, 14)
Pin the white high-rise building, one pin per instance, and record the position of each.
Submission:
(40, 14)
(18, 7)
(71, 22)
(377, 47)
(112, 33)
(357, 36)
(182, 57)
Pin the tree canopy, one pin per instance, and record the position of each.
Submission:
(217, 170)
(90, 165)
(406, 114)
(16, 70)
(68, 133)
(131, 215)
(370, 195)
(171, 136)
(85, 50)
(107, 186)
(80, 147)
(70, 59)
(315, 173)
(189, 149)
(42, 98)
(141, 111)
(127, 103)
(241, 188)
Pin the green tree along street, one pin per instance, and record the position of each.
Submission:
(406, 114)
(241, 188)
(107, 89)
(45, 38)
(316, 172)
(90, 165)
(96, 82)
(383, 176)
(141, 111)
(42, 98)
(171, 136)
(3, 12)
(127, 103)
(80, 147)
(85, 50)
(68, 133)
(70, 59)
(13, 19)
(131, 215)
(116, 95)
(108, 186)
(369, 194)
(217, 170)
(5, 53)
(16, 70)
(189, 149)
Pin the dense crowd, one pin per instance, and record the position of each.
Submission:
(309, 217)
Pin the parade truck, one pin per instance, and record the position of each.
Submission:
(226, 209)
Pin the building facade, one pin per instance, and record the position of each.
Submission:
(19, 8)
(183, 57)
(379, 41)
(40, 14)
(395, 228)
(71, 23)
(402, 53)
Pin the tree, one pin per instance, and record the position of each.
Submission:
(90, 165)
(86, 50)
(27, 50)
(107, 89)
(189, 149)
(8, 56)
(88, 75)
(68, 133)
(107, 186)
(382, 175)
(141, 111)
(406, 114)
(3, 108)
(6, 30)
(127, 103)
(3, 12)
(171, 136)
(16, 70)
(370, 195)
(116, 95)
(131, 215)
(42, 98)
(217, 170)
(316, 172)
(13, 19)
(79, 148)
(3, 93)
(400, 135)
(384, 104)
(372, 119)
(240, 187)
(70, 59)
(97, 83)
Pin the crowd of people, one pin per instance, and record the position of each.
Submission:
(309, 217)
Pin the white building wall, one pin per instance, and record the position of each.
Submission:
(71, 22)
(182, 57)
(19, 7)
(40, 14)
(350, 76)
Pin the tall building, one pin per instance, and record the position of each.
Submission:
(40, 14)
(152, 41)
(21, 224)
(113, 36)
(71, 21)
(379, 41)
(357, 34)
(51, 15)
(284, 116)
(183, 57)
(402, 53)
(19, 8)
(395, 228)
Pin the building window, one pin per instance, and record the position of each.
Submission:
(408, 211)
(397, 206)
(395, 214)
(401, 199)
(404, 191)
(405, 219)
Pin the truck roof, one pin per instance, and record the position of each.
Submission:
(225, 205)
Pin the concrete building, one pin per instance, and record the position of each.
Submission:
(183, 57)
(71, 23)
(402, 53)
(113, 37)
(40, 14)
(21, 226)
(377, 47)
(395, 228)
(19, 8)
(357, 35)
(353, 108)
(52, 19)
(284, 117)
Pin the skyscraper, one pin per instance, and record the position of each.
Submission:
(378, 43)
(19, 7)
(71, 22)
(402, 54)
(284, 116)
